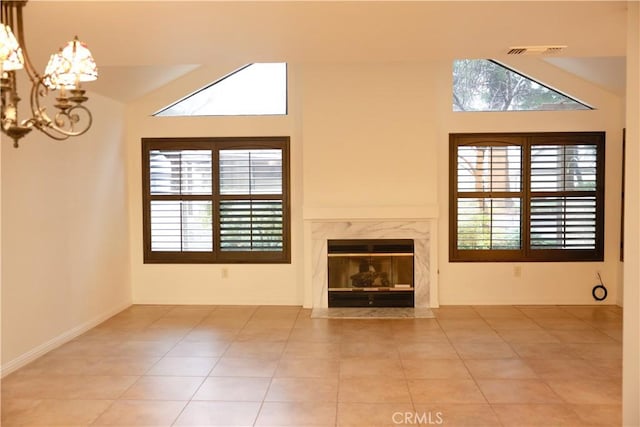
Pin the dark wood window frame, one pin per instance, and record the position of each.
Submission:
(216, 144)
(525, 194)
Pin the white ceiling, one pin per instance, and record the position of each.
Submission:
(128, 83)
(607, 72)
(141, 45)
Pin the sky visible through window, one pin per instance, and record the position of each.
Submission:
(256, 89)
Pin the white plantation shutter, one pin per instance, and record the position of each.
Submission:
(563, 167)
(180, 224)
(252, 219)
(250, 172)
(180, 172)
(251, 225)
(489, 168)
(563, 222)
(563, 196)
(489, 223)
(489, 188)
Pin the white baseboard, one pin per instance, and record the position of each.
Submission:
(55, 342)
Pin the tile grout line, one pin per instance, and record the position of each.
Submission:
(165, 355)
(568, 409)
(261, 406)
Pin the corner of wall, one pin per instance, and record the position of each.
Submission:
(55, 342)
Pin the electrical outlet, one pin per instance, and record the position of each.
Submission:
(517, 271)
(224, 273)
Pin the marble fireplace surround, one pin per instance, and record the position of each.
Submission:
(371, 224)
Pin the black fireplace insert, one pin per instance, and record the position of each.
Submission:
(371, 273)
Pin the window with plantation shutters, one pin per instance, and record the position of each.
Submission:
(209, 200)
(527, 197)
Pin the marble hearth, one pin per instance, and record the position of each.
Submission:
(418, 230)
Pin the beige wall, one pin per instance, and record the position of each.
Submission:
(375, 136)
(369, 135)
(65, 262)
(631, 327)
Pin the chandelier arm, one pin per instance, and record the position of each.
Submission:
(63, 125)
(39, 116)
(72, 117)
(53, 133)
(28, 65)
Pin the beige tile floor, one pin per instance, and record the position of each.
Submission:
(275, 366)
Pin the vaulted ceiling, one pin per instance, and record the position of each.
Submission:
(140, 45)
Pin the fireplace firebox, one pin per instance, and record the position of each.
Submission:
(370, 273)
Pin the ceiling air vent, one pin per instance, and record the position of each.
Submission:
(535, 50)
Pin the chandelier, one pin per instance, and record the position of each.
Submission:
(65, 71)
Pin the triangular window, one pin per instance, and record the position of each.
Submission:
(255, 89)
(486, 85)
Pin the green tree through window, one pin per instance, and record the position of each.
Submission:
(485, 85)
